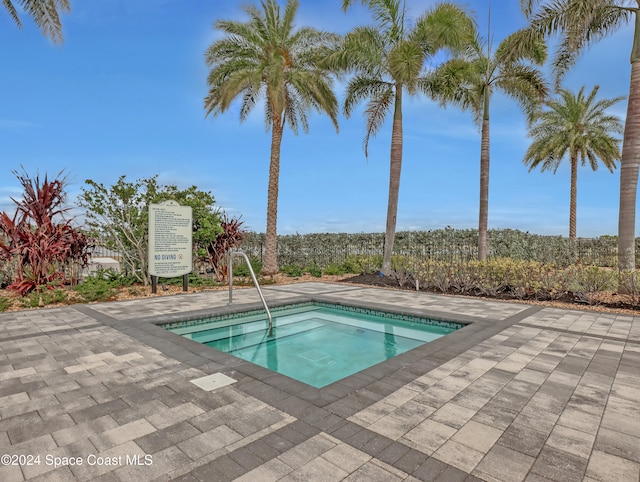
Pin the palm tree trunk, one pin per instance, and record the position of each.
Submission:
(270, 265)
(483, 217)
(629, 164)
(394, 181)
(574, 195)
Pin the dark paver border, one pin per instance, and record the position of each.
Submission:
(316, 409)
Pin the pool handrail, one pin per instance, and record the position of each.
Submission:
(255, 282)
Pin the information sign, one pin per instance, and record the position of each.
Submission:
(170, 239)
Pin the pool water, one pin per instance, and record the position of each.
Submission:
(316, 344)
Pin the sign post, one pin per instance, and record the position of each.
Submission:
(170, 242)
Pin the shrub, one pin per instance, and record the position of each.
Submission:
(230, 238)
(292, 270)
(194, 280)
(37, 299)
(115, 277)
(5, 303)
(403, 268)
(448, 244)
(314, 270)
(38, 241)
(434, 275)
(97, 287)
(588, 281)
(362, 263)
(243, 270)
(335, 269)
(629, 283)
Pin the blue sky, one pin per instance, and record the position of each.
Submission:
(123, 95)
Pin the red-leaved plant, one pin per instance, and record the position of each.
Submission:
(230, 237)
(38, 237)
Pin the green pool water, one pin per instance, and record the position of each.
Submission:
(315, 344)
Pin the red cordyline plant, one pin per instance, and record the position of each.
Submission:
(230, 237)
(38, 238)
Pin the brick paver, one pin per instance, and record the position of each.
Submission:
(522, 393)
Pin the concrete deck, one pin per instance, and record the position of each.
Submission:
(524, 393)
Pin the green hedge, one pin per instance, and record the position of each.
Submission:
(447, 244)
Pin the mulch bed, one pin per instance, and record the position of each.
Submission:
(607, 301)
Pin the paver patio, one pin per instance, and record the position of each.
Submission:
(523, 393)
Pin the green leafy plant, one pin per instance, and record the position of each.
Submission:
(194, 281)
(588, 281)
(118, 216)
(335, 269)
(242, 270)
(40, 298)
(314, 270)
(362, 263)
(5, 303)
(98, 287)
(360, 252)
(292, 270)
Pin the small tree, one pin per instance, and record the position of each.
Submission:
(470, 80)
(38, 240)
(387, 60)
(576, 127)
(118, 217)
(268, 58)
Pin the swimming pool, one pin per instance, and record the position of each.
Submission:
(315, 343)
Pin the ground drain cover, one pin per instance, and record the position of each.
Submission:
(213, 382)
(314, 355)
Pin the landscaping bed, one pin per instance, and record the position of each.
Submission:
(609, 301)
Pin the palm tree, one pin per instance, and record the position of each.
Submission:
(45, 13)
(388, 59)
(579, 127)
(581, 23)
(469, 81)
(267, 57)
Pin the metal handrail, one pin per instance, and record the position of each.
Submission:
(255, 282)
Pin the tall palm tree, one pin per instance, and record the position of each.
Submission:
(579, 127)
(582, 23)
(469, 81)
(268, 58)
(45, 13)
(387, 60)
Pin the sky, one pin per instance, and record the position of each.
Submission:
(123, 95)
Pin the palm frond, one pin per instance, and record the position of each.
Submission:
(522, 45)
(574, 123)
(360, 88)
(405, 63)
(364, 50)
(267, 58)
(12, 12)
(45, 14)
(454, 82)
(445, 26)
(526, 84)
(389, 15)
(580, 24)
(376, 111)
